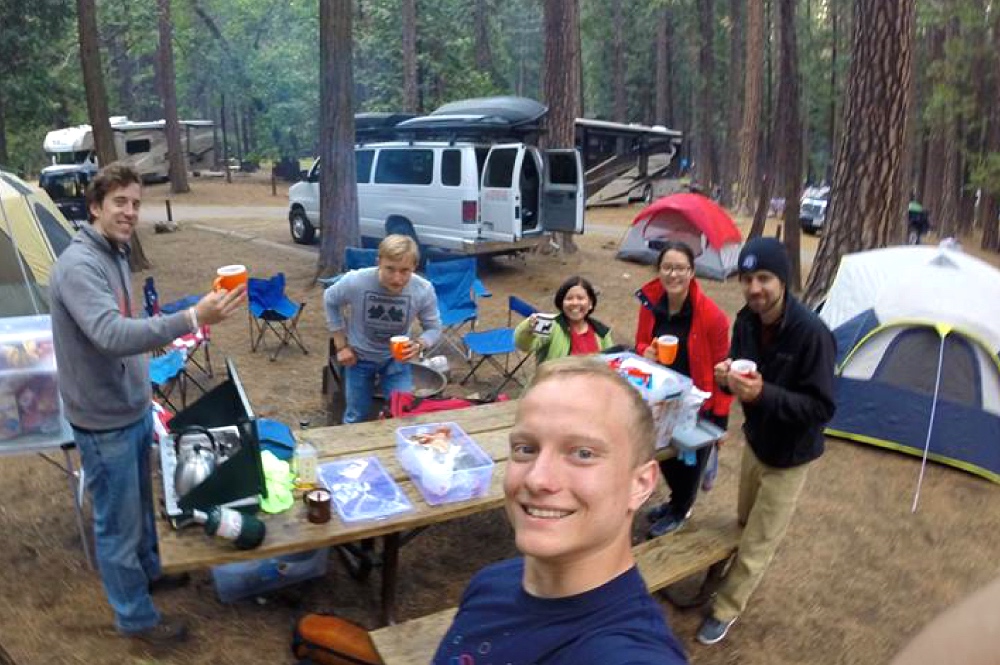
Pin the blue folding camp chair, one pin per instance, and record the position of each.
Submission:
(355, 258)
(457, 287)
(194, 344)
(271, 310)
(167, 373)
(500, 341)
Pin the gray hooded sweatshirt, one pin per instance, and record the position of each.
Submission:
(100, 348)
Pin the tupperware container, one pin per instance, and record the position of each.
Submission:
(461, 472)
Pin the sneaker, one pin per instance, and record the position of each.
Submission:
(166, 633)
(666, 524)
(658, 513)
(713, 631)
(168, 582)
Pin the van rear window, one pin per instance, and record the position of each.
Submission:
(562, 168)
(363, 164)
(500, 167)
(405, 167)
(451, 168)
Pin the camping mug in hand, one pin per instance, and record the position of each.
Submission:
(398, 346)
(317, 506)
(229, 277)
(666, 349)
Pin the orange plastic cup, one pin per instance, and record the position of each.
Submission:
(398, 346)
(666, 349)
(229, 277)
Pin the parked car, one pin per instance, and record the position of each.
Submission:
(812, 215)
(471, 198)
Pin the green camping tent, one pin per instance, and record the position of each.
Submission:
(32, 234)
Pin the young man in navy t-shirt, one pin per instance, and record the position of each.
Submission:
(581, 464)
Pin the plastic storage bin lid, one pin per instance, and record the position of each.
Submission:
(362, 490)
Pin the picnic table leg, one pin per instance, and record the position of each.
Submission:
(713, 578)
(390, 570)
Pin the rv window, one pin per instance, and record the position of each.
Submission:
(562, 169)
(137, 146)
(500, 168)
(405, 167)
(451, 168)
(363, 163)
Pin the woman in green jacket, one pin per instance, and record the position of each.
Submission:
(574, 331)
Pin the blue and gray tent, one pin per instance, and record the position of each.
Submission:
(918, 335)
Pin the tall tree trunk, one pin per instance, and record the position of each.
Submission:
(753, 81)
(484, 52)
(989, 204)
(408, 14)
(338, 177)
(951, 169)
(831, 137)
(706, 163)
(788, 135)
(224, 123)
(734, 87)
(618, 62)
(97, 106)
(93, 82)
(868, 198)
(561, 82)
(663, 113)
(175, 152)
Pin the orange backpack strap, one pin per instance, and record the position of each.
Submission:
(330, 640)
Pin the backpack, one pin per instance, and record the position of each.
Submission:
(403, 403)
(330, 640)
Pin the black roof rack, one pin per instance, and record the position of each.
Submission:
(492, 118)
(379, 126)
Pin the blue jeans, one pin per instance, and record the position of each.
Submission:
(359, 385)
(117, 467)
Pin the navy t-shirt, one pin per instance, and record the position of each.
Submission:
(498, 622)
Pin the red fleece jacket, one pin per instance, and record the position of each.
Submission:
(708, 341)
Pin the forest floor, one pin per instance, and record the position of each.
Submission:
(857, 574)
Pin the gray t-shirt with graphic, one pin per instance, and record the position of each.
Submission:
(376, 315)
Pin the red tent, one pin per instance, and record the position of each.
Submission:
(690, 218)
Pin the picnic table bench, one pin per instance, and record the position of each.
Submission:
(703, 544)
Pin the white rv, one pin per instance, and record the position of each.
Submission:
(141, 144)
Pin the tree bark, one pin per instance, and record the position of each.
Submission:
(788, 136)
(93, 82)
(408, 14)
(753, 82)
(989, 204)
(338, 179)
(734, 107)
(175, 152)
(663, 113)
(484, 50)
(561, 80)
(831, 138)
(4, 158)
(706, 162)
(868, 198)
(618, 62)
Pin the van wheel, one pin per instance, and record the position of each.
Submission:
(400, 226)
(647, 194)
(303, 232)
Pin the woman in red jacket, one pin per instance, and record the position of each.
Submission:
(673, 304)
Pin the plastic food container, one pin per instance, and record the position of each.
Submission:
(362, 490)
(31, 411)
(450, 467)
(252, 578)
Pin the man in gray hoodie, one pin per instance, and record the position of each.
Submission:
(101, 354)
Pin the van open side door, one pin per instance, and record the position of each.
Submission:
(562, 191)
(500, 193)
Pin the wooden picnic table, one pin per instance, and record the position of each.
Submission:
(488, 425)
(288, 532)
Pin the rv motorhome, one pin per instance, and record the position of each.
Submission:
(141, 144)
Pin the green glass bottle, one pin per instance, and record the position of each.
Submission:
(246, 531)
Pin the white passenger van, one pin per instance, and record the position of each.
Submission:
(470, 197)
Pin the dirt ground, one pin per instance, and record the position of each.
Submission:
(856, 576)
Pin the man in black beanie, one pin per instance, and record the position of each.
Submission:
(787, 399)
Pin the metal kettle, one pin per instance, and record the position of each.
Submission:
(196, 458)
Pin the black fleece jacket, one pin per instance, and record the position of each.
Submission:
(784, 425)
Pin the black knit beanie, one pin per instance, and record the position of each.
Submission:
(765, 254)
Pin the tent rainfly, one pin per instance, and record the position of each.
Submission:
(918, 334)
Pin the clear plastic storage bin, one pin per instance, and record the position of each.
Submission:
(31, 411)
(361, 489)
(253, 578)
(449, 467)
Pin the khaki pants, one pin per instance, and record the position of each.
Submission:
(768, 497)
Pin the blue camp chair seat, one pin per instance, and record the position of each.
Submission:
(167, 372)
(270, 310)
(488, 344)
(197, 345)
(456, 287)
(355, 258)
